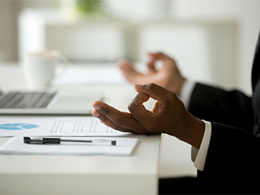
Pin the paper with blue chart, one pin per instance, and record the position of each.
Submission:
(56, 126)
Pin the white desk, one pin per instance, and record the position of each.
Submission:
(45, 174)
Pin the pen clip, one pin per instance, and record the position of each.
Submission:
(28, 140)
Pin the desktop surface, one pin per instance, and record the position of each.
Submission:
(75, 174)
(60, 174)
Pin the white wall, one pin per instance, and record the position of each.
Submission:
(247, 15)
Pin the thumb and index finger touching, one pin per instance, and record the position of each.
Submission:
(146, 118)
(155, 91)
(152, 90)
(130, 72)
(158, 56)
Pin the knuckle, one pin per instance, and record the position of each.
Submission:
(172, 96)
(169, 101)
(119, 122)
(105, 111)
(150, 86)
(103, 118)
(131, 106)
(166, 104)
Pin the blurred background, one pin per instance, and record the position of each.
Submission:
(212, 40)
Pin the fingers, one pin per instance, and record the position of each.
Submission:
(149, 120)
(167, 61)
(153, 58)
(137, 109)
(156, 56)
(114, 118)
(151, 67)
(108, 122)
(155, 91)
(129, 71)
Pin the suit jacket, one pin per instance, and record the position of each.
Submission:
(233, 159)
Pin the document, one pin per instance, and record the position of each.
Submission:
(124, 147)
(57, 126)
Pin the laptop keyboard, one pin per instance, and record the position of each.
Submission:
(26, 100)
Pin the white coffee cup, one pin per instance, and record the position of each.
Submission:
(39, 68)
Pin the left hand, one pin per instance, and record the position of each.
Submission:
(167, 116)
(169, 76)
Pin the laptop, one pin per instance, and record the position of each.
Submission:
(66, 102)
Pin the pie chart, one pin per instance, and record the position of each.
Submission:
(18, 126)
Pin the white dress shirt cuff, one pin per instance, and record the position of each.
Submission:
(186, 92)
(199, 155)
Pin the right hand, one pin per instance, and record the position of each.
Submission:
(167, 116)
(168, 76)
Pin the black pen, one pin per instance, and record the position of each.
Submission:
(48, 140)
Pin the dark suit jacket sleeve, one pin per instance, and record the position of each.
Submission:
(227, 107)
(233, 156)
(233, 159)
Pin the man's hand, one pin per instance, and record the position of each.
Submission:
(168, 76)
(167, 116)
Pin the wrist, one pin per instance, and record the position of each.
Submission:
(193, 132)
